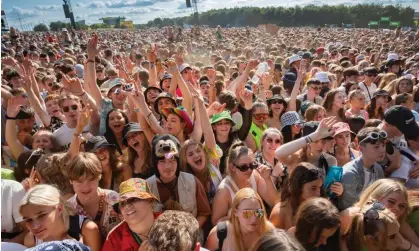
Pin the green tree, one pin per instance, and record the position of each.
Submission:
(40, 27)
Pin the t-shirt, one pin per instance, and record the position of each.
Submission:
(405, 167)
(12, 193)
(369, 90)
(64, 135)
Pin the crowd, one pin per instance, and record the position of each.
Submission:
(210, 139)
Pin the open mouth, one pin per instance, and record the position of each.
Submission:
(117, 126)
(101, 158)
(135, 144)
(198, 162)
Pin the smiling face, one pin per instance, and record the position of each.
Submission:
(152, 95)
(135, 211)
(195, 156)
(116, 121)
(395, 202)
(43, 141)
(135, 140)
(222, 127)
(271, 143)
(103, 155)
(277, 107)
(166, 84)
(117, 98)
(165, 103)
(405, 86)
(67, 109)
(41, 220)
(260, 115)
(52, 108)
(343, 139)
(242, 161)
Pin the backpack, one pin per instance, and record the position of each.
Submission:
(221, 234)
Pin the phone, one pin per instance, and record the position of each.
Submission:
(389, 148)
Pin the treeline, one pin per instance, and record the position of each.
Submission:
(310, 15)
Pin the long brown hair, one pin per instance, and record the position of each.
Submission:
(315, 214)
(132, 155)
(328, 103)
(303, 173)
(185, 167)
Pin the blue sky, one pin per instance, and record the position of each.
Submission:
(32, 12)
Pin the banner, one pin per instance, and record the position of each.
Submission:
(394, 23)
(373, 23)
(384, 19)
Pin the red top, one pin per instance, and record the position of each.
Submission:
(121, 239)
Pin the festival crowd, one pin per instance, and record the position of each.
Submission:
(229, 139)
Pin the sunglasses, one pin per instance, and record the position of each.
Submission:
(258, 213)
(277, 141)
(375, 136)
(276, 102)
(316, 88)
(67, 108)
(129, 201)
(260, 116)
(245, 167)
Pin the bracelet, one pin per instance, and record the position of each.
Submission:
(149, 115)
(308, 139)
(11, 118)
(77, 134)
(90, 61)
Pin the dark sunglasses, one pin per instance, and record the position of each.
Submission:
(245, 167)
(277, 141)
(276, 102)
(67, 108)
(55, 87)
(316, 88)
(129, 201)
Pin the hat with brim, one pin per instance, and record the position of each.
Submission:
(165, 76)
(184, 67)
(382, 93)
(181, 112)
(151, 88)
(96, 142)
(117, 82)
(403, 119)
(130, 128)
(392, 62)
(290, 118)
(278, 98)
(163, 95)
(294, 58)
(224, 115)
(134, 188)
(341, 127)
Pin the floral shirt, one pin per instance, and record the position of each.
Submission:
(281, 180)
(106, 220)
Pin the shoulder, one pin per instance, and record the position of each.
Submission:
(111, 197)
(89, 227)
(29, 240)
(117, 230)
(331, 160)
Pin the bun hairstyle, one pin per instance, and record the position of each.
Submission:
(237, 150)
(164, 146)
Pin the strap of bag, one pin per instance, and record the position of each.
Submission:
(221, 234)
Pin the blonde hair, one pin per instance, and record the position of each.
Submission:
(356, 232)
(183, 162)
(243, 194)
(380, 189)
(413, 199)
(46, 195)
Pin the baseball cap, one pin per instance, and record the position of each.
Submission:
(320, 50)
(184, 67)
(134, 188)
(130, 128)
(310, 127)
(403, 119)
(96, 142)
(382, 93)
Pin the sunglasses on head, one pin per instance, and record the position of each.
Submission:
(270, 140)
(371, 216)
(55, 87)
(245, 167)
(67, 108)
(375, 136)
(258, 213)
(260, 116)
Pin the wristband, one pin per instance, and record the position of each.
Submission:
(77, 134)
(90, 61)
(11, 118)
(308, 140)
(149, 115)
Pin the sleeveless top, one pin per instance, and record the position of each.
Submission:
(256, 133)
(75, 225)
(186, 189)
(216, 179)
(229, 183)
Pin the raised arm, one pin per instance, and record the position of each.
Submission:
(186, 95)
(245, 108)
(90, 74)
(152, 57)
(292, 104)
(82, 122)
(323, 131)
(13, 108)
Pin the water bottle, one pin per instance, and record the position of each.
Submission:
(262, 68)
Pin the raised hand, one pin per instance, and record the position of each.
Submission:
(211, 74)
(337, 188)
(83, 118)
(151, 55)
(73, 85)
(92, 49)
(247, 98)
(325, 128)
(215, 108)
(253, 63)
(13, 107)
(9, 61)
(264, 171)
(172, 66)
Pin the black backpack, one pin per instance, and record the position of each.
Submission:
(221, 234)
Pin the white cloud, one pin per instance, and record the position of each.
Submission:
(23, 13)
(127, 11)
(48, 7)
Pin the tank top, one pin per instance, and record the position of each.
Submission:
(229, 183)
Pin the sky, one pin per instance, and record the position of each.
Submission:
(25, 14)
